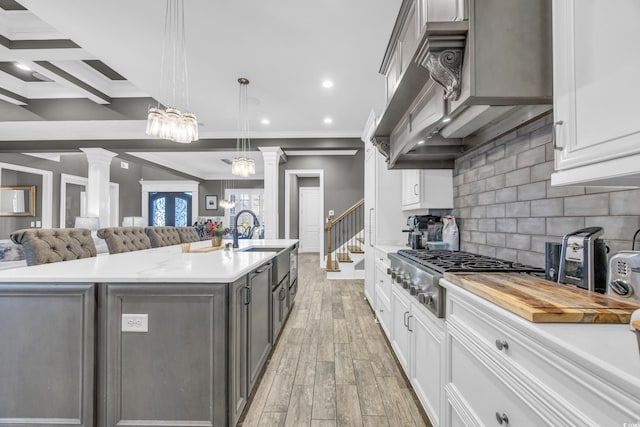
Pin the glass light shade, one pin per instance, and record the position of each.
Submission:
(243, 167)
(172, 124)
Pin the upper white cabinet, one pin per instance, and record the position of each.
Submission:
(596, 92)
(427, 189)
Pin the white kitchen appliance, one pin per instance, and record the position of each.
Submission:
(624, 276)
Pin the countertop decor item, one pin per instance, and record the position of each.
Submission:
(171, 121)
(243, 165)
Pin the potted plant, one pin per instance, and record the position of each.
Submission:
(215, 231)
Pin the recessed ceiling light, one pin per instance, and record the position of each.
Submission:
(327, 84)
(265, 121)
(22, 66)
(421, 142)
(446, 120)
(328, 120)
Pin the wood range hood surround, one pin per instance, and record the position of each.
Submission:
(465, 73)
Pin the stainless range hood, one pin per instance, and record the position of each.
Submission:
(465, 81)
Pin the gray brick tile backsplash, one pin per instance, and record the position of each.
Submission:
(547, 207)
(625, 202)
(487, 225)
(495, 182)
(518, 177)
(563, 225)
(507, 195)
(507, 207)
(496, 211)
(537, 190)
(517, 145)
(519, 241)
(591, 205)
(541, 171)
(531, 157)
(532, 225)
(615, 228)
(518, 209)
(507, 225)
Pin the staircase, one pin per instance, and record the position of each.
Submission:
(345, 244)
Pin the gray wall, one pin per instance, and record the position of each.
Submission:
(216, 188)
(507, 207)
(343, 181)
(9, 224)
(294, 201)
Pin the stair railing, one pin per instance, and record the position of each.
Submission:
(344, 234)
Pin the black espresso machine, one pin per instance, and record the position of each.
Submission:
(423, 229)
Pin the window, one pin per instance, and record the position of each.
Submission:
(245, 198)
(170, 209)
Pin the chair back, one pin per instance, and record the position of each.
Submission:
(44, 246)
(188, 234)
(124, 239)
(162, 236)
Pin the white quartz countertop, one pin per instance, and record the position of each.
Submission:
(387, 249)
(158, 265)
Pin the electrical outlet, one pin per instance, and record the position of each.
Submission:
(332, 212)
(135, 323)
(33, 223)
(124, 165)
(38, 224)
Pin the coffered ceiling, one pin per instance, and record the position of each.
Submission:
(94, 66)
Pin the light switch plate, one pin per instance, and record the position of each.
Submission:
(331, 212)
(38, 224)
(135, 323)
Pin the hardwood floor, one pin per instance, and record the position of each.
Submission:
(332, 365)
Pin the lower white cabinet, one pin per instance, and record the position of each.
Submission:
(417, 342)
(504, 368)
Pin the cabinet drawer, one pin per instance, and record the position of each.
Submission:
(383, 311)
(576, 394)
(484, 392)
(383, 281)
(381, 258)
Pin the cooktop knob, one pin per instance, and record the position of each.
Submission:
(621, 287)
(394, 273)
(425, 298)
(413, 290)
(405, 284)
(389, 270)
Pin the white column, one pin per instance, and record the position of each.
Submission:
(98, 184)
(271, 157)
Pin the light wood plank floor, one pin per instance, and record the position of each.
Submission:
(332, 365)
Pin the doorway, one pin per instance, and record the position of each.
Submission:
(310, 219)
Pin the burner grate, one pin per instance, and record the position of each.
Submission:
(442, 260)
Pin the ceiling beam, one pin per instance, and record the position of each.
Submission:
(12, 97)
(95, 94)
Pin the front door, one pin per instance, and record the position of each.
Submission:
(310, 219)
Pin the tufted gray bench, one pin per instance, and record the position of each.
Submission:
(162, 236)
(188, 234)
(43, 246)
(124, 239)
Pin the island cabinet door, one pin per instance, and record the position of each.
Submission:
(47, 354)
(163, 355)
(238, 331)
(259, 342)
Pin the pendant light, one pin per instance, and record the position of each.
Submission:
(243, 165)
(171, 121)
(226, 203)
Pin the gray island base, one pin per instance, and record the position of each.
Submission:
(141, 352)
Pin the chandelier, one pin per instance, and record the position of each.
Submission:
(173, 122)
(243, 165)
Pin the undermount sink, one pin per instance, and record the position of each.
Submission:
(259, 249)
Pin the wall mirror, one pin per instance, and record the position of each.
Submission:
(18, 201)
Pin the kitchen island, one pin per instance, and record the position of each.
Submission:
(152, 337)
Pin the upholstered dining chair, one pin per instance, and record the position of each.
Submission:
(188, 234)
(163, 236)
(44, 246)
(124, 239)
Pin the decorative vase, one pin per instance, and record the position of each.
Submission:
(216, 241)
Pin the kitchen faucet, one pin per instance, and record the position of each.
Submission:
(256, 223)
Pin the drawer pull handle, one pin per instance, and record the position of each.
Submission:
(502, 419)
(405, 319)
(408, 320)
(381, 311)
(502, 345)
(555, 135)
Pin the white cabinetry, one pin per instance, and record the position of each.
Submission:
(383, 218)
(596, 92)
(427, 189)
(501, 366)
(417, 340)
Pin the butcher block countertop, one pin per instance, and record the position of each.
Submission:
(539, 300)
